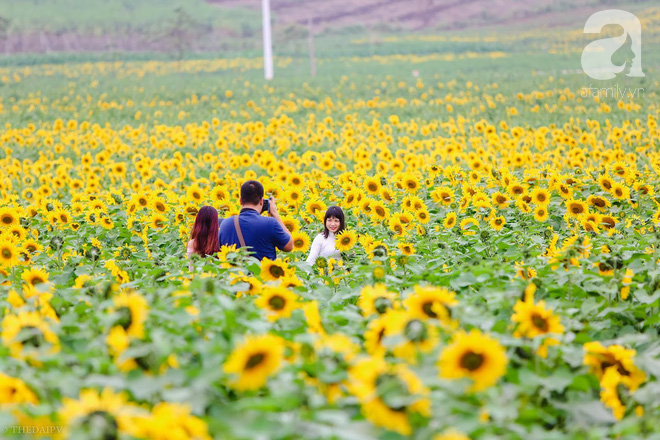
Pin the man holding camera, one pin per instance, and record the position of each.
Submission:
(262, 235)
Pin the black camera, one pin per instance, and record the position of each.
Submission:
(266, 206)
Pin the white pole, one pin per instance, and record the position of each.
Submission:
(268, 45)
(310, 40)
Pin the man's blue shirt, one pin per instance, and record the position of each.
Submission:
(261, 234)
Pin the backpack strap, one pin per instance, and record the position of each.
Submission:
(238, 231)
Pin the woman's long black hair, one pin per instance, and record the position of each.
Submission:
(333, 211)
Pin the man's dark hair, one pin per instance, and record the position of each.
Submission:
(252, 192)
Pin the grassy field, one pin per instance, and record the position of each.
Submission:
(107, 15)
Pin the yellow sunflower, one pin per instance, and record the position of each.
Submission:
(35, 276)
(169, 420)
(8, 254)
(254, 285)
(469, 226)
(443, 195)
(389, 394)
(535, 319)
(272, 270)
(540, 196)
(406, 248)
(15, 391)
(301, 241)
(497, 223)
(291, 224)
(345, 240)
(599, 202)
(27, 335)
(620, 191)
(8, 217)
(372, 185)
(379, 210)
(278, 302)
(32, 247)
(408, 336)
(431, 302)
(254, 360)
(132, 310)
(158, 221)
(600, 359)
(576, 208)
(541, 214)
(473, 355)
(316, 208)
(375, 299)
(104, 415)
(450, 220)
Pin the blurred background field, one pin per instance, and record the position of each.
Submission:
(175, 48)
(538, 35)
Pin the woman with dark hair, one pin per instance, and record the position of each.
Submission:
(324, 243)
(204, 234)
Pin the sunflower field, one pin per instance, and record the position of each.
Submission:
(499, 274)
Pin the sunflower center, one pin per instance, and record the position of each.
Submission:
(276, 271)
(6, 253)
(36, 279)
(32, 336)
(7, 219)
(101, 425)
(381, 304)
(392, 391)
(427, 308)
(611, 362)
(379, 251)
(471, 361)
(416, 331)
(540, 322)
(125, 318)
(277, 302)
(254, 360)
